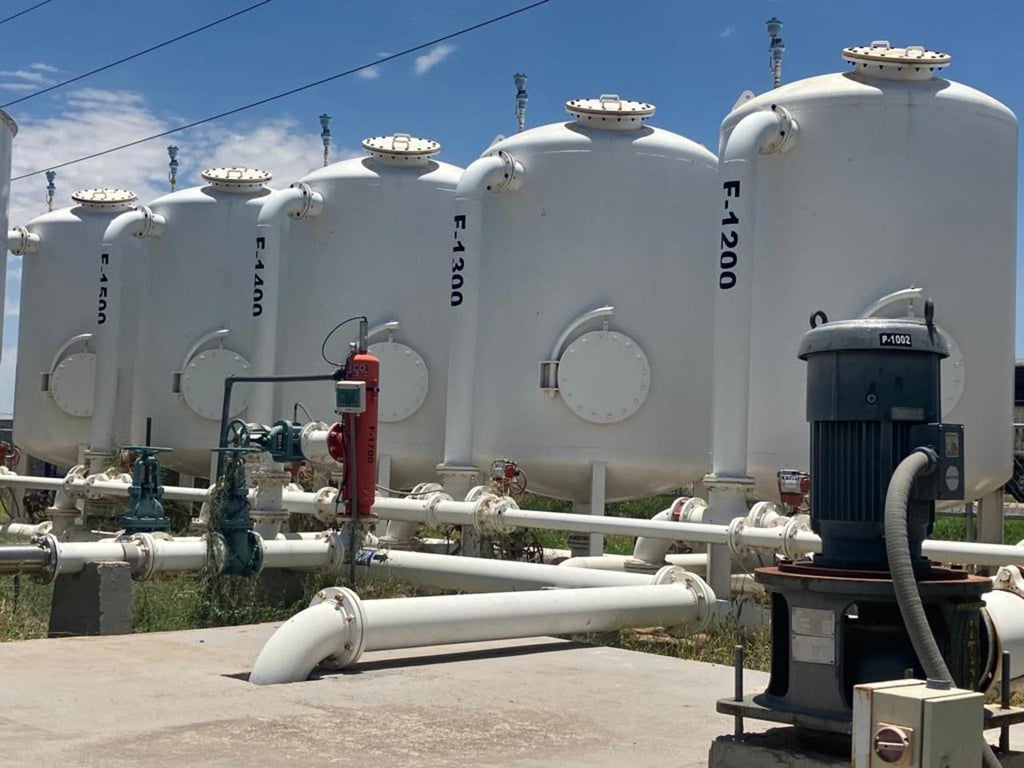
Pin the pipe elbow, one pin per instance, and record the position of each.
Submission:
(765, 132)
(21, 242)
(297, 202)
(331, 628)
(497, 173)
(139, 222)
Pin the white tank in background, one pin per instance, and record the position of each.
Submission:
(8, 130)
(54, 382)
(890, 186)
(195, 321)
(372, 250)
(580, 307)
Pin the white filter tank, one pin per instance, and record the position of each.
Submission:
(8, 130)
(891, 186)
(373, 250)
(580, 307)
(196, 323)
(55, 378)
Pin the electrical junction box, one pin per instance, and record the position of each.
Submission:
(350, 396)
(911, 723)
(945, 483)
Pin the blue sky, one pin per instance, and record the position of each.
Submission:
(692, 59)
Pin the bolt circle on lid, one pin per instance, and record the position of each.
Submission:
(881, 58)
(105, 198)
(609, 111)
(401, 148)
(237, 178)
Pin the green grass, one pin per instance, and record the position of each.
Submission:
(955, 529)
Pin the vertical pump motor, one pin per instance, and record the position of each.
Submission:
(872, 398)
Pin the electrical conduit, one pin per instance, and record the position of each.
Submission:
(901, 567)
(339, 627)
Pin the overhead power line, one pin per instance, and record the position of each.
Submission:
(291, 92)
(27, 10)
(136, 55)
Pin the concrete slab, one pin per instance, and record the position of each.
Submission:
(173, 699)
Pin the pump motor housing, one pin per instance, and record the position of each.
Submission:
(872, 398)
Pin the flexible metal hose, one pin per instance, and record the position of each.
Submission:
(897, 546)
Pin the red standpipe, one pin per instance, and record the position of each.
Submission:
(362, 366)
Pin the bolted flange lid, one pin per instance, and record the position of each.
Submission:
(883, 335)
(237, 178)
(880, 59)
(401, 148)
(609, 111)
(105, 199)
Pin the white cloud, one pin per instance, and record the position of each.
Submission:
(370, 73)
(43, 67)
(432, 58)
(727, 32)
(9, 86)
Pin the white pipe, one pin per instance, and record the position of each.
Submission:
(296, 202)
(16, 528)
(758, 133)
(475, 574)
(1005, 611)
(556, 350)
(687, 561)
(786, 538)
(21, 242)
(496, 173)
(339, 626)
(682, 510)
(138, 223)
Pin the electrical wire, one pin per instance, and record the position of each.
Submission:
(299, 89)
(137, 54)
(295, 411)
(323, 347)
(13, 16)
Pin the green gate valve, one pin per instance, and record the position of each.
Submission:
(229, 516)
(145, 511)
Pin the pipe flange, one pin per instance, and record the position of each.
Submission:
(727, 483)
(337, 549)
(786, 134)
(476, 492)
(49, 544)
(147, 221)
(511, 174)
(765, 514)
(430, 509)
(423, 489)
(703, 595)
(485, 520)
(146, 546)
(326, 507)
(1009, 579)
(736, 527)
(348, 604)
(670, 574)
(794, 526)
(690, 511)
(306, 202)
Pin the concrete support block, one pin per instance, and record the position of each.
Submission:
(97, 601)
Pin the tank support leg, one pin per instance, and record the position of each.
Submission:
(597, 492)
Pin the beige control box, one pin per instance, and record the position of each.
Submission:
(913, 724)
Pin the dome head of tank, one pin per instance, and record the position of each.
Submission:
(105, 199)
(237, 179)
(401, 149)
(882, 60)
(610, 112)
